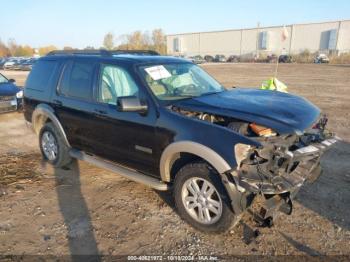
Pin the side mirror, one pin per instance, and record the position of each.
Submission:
(12, 80)
(131, 104)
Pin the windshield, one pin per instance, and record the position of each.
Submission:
(3, 79)
(179, 81)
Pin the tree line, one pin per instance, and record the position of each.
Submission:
(13, 49)
(138, 40)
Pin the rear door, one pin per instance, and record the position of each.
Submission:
(73, 99)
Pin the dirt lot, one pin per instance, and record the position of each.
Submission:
(86, 210)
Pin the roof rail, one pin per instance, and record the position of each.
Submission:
(79, 52)
(103, 52)
(134, 52)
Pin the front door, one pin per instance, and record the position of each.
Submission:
(124, 137)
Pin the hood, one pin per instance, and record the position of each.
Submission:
(285, 113)
(8, 89)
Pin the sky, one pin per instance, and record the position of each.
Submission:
(81, 23)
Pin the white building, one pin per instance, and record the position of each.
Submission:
(328, 37)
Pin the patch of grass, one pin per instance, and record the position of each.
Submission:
(18, 167)
(340, 59)
(304, 57)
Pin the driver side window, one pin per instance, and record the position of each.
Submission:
(115, 82)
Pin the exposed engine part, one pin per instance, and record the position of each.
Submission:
(200, 115)
(207, 117)
(233, 124)
(239, 127)
(262, 130)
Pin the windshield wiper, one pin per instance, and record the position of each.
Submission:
(210, 93)
(184, 95)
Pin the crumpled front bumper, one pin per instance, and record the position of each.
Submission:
(298, 166)
(254, 187)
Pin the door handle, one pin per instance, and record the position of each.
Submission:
(57, 102)
(101, 112)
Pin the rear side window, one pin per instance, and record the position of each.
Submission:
(41, 74)
(77, 80)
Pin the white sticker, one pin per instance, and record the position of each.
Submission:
(14, 102)
(158, 72)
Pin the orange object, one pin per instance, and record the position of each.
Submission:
(262, 130)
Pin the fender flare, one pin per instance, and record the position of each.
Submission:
(39, 117)
(174, 149)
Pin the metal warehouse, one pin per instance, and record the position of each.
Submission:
(328, 37)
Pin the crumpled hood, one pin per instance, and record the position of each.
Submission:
(8, 89)
(285, 113)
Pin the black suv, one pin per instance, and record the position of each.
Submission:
(164, 122)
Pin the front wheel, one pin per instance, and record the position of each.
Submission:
(201, 198)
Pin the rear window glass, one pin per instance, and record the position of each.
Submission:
(77, 80)
(42, 72)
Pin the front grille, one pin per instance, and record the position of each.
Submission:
(7, 98)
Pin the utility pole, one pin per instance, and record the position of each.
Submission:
(337, 39)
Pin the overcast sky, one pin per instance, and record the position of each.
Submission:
(81, 23)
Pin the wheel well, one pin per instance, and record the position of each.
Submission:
(180, 160)
(40, 121)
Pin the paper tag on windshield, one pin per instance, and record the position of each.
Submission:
(158, 72)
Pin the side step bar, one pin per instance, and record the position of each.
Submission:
(123, 171)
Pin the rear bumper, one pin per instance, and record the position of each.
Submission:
(8, 106)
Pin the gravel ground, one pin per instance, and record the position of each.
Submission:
(86, 210)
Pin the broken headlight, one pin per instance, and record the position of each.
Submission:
(241, 153)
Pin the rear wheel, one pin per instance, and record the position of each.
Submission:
(53, 147)
(201, 198)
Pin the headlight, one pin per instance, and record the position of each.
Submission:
(241, 153)
(262, 130)
(19, 94)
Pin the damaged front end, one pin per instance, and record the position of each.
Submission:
(268, 177)
(276, 171)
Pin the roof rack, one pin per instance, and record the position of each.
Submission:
(103, 52)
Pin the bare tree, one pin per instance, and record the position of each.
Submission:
(108, 41)
(139, 40)
(4, 51)
(12, 46)
(159, 41)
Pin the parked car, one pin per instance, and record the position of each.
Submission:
(233, 59)
(18, 64)
(27, 64)
(220, 59)
(285, 59)
(272, 58)
(321, 59)
(198, 59)
(2, 62)
(10, 95)
(9, 64)
(219, 151)
(209, 58)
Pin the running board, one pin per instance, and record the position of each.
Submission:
(123, 171)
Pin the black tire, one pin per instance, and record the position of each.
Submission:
(204, 171)
(62, 158)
